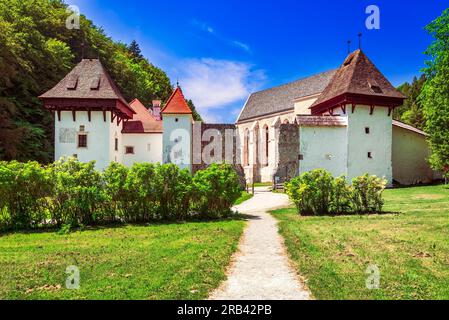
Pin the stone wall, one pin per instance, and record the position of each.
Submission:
(287, 152)
(223, 132)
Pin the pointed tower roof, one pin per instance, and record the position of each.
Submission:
(87, 86)
(143, 121)
(357, 81)
(176, 104)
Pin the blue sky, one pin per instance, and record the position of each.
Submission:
(223, 50)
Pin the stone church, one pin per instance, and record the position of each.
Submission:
(340, 120)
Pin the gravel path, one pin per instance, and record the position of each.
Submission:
(261, 269)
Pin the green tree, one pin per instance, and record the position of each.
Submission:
(37, 51)
(135, 51)
(435, 94)
(196, 115)
(411, 112)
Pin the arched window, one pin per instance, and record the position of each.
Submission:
(266, 138)
(246, 147)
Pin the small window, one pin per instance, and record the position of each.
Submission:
(370, 155)
(82, 128)
(176, 120)
(116, 144)
(367, 131)
(129, 150)
(72, 82)
(149, 147)
(82, 141)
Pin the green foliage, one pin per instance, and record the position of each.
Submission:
(311, 192)
(24, 188)
(78, 197)
(367, 193)
(215, 190)
(318, 193)
(196, 116)
(411, 112)
(435, 94)
(70, 194)
(37, 51)
(174, 189)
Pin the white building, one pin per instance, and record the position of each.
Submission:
(340, 120)
(94, 122)
(344, 124)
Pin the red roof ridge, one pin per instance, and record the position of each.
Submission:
(176, 104)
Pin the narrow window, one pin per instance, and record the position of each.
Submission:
(116, 144)
(267, 142)
(149, 147)
(370, 155)
(129, 150)
(246, 148)
(82, 141)
(82, 128)
(367, 131)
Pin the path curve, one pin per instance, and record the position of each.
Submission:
(261, 269)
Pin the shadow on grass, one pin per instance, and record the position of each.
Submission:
(306, 215)
(119, 225)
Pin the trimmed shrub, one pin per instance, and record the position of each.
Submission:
(318, 193)
(77, 195)
(24, 190)
(116, 195)
(215, 190)
(174, 191)
(367, 194)
(141, 198)
(311, 192)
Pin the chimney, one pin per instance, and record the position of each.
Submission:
(157, 109)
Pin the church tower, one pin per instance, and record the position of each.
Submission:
(177, 137)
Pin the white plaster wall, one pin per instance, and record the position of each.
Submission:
(174, 130)
(378, 142)
(140, 143)
(410, 152)
(302, 105)
(115, 130)
(323, 148)
(98, 137)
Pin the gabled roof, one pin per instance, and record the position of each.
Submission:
(281, 98)
(356, 78)
(408, 127)
(87, 81)
(176, 104)
(143, 121)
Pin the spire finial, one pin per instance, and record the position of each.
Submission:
(177, 82)
(360, 40)
(349, 46)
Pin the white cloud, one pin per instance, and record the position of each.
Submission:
(203, 26)
(212, 83)
(241, 45)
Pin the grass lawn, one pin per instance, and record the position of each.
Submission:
(411, 249)
(174, 261)
(244, 197)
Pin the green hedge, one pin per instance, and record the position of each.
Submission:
(318, 193)
(72, 193)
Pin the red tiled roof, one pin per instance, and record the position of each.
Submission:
(176, 104)
(356, 81)
(143, 121)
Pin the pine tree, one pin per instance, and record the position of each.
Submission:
(134, 49)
